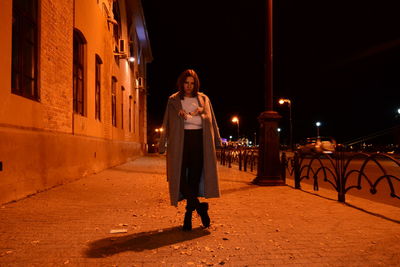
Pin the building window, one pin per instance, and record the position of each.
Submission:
(24, 74)
(117, 26)
(122, 107)
(78, 73)
(134, 116)
(130, 113)
(98, 88)
(114, 101)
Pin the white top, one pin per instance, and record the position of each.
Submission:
(190, 104)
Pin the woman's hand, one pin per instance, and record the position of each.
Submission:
(196, 112)
(183, 114)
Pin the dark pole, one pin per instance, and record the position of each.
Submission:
(238, 129)
(269, 166)
(291, 125)
(269, 57)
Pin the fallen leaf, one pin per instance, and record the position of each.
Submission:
(118, 231)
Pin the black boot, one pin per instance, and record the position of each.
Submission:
(187, 222)
(202, 210)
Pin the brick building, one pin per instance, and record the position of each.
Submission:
(72, 90)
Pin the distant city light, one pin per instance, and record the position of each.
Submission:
(235, 119)
(279, 129)
(284, 100)
(250, 142)
(318, 123)
(230, 137)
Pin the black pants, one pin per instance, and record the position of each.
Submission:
(192, 167)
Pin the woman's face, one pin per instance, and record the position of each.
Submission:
(188, 85)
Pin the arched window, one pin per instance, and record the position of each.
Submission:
(24, 74)
(79, 73)
(122, 107)
(114, 101)
(117, 27)
(99, 62)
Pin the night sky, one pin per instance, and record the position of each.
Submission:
(338, 62)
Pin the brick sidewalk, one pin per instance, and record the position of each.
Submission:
(251, 226)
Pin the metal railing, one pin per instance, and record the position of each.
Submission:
(336, 169)
(245, 157)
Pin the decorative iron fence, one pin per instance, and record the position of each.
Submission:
(245, 157)
(336, 169)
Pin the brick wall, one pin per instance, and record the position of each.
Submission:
(43, 142)
(56, 63)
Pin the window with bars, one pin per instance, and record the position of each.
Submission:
(114, 101)
(78, 73)
(24, 74)
(98, 88)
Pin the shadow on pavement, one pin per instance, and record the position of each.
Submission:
(351, 206)
(142, 241)
(237, 189)
(140, 171)
(373, 213)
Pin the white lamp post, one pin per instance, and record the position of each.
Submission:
(318, 124)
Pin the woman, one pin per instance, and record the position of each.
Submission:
(190, 136)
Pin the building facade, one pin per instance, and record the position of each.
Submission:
(72, 90)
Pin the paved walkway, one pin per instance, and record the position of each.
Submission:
(251, 226)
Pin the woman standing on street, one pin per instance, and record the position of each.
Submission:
(190, 136)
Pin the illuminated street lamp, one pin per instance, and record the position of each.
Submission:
(236, 120)
(398, 111)
(283, 101)
(318, 124)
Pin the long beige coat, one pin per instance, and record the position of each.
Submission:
(172, 141)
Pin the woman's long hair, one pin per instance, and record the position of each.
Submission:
(181, 80)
